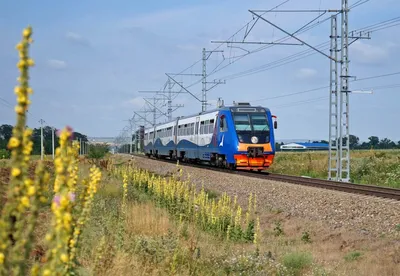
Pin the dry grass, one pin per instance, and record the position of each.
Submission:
(144, 219)
(329, 247)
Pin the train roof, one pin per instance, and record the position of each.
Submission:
(226, 108)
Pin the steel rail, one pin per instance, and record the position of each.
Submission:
(370, 190)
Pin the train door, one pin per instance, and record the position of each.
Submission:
(175, 138)
(196, 137)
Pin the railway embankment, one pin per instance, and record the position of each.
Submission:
(348, 232)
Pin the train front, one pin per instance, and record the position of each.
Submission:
(254, 128)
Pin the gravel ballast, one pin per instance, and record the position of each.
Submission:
(364, 214)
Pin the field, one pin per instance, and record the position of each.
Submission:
(376, 167)
(136, 226)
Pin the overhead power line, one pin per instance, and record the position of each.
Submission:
(6, 103)
(382, 87)
(301, 30)
(303, 54)
(325, 87)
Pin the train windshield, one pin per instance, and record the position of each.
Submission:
(254, 122)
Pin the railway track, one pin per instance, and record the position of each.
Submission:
(371, 190)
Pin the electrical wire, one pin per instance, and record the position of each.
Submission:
(303, 29)
(297, 56)
(323, 46)
(6, 103)
(299, 31)
(383, 87)
(325, 87)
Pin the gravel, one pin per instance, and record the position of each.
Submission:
(338, 210)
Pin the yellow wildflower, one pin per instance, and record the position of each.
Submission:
(21, 64)
(13, 143)
(28, 132)
(46, 272)
(27, 32)
(31, 62)
(64, 258)
(19, 46)
(35, 269)
(25, 201)
(15, 172)
(28, 182)
(22, 99)
(18, 90)
(19, 109)
(31, 191)
(1, 258)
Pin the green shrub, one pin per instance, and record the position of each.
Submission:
(297, 261)
(278, 230)
(306, 237)
(4, 154)
(98, 151)
(352, 256)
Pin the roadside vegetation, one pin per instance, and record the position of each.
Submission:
(376, 167)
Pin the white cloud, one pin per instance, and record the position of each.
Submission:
(368, 54)
(136, 102)
(305, 73)
(56, 64)
(77, 38)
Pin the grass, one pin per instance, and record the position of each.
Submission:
(377, 167)
(150, 241)
(146, 239)
(297, 261)
(352, 256)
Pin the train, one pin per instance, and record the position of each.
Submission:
(237, 137)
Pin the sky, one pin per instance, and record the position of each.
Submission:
(93, 57)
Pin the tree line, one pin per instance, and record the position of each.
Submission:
(354, 142)
(6, 134)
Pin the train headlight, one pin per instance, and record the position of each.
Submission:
(254, 140)
(240, 138)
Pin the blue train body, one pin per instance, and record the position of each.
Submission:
(237, 137)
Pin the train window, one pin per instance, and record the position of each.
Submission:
(223, 126)
(211, 126)
(242, 122)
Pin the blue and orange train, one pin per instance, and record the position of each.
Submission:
(240, 136)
